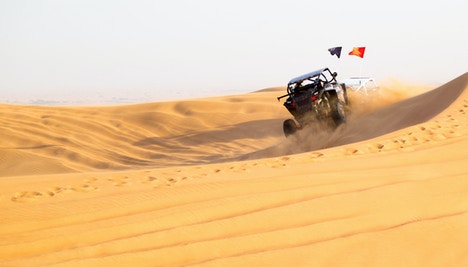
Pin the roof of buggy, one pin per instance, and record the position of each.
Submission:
(307, 76)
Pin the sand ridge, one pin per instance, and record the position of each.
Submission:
(70, 139)
(48, 140)
(395, 196)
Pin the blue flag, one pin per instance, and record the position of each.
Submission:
(335, 51)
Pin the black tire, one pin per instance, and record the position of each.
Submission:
(345, 92)
(338, 111)
(289, 127)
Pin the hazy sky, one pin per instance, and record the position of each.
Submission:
(184, 49)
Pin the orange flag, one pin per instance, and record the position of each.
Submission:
(358, 51)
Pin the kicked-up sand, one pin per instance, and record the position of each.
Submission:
(213, 182)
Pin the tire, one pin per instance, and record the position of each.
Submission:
(338, 111)
(345, 92)
(289, 127)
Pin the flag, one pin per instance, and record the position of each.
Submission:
(357, 51)
(335, 51)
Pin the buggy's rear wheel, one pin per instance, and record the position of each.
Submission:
(345, 93)
(289, 127)
(337, 110)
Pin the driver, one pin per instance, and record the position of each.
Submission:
(319, 84)
(297, 87)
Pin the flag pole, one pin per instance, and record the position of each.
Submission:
(359, 51)
(360, 69)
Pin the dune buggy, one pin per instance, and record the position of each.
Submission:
(315, 96)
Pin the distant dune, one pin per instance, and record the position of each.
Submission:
(75, 139)
(213, 182)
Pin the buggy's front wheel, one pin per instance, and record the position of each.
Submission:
(338, 112)
(289, 127)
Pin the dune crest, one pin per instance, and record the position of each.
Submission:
(75, 139)
(161, 184)
(69, 139)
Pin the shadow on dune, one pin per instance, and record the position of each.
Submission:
(360, 127)
(258, 129)
(218, 145)
(29, 147)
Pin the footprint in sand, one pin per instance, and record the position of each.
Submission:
(281, 162)
(399, 143)
(85, 188)
(351, 151)
(90, 180)
(119, 181)
(156, 182)
(171, 180)
(375, 148)
(151, 180)
(316, 155)
(58, 190)
(55, 191)
(26, 196)
(200, 176)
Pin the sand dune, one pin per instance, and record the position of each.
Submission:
(74, 139)
(213, 182)
(48, 140)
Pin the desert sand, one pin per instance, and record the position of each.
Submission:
(213, 182)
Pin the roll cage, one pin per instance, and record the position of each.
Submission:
(309, 81)
(363, 85)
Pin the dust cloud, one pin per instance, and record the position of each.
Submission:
(368, 116)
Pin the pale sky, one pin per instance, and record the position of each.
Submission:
(184, 49)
